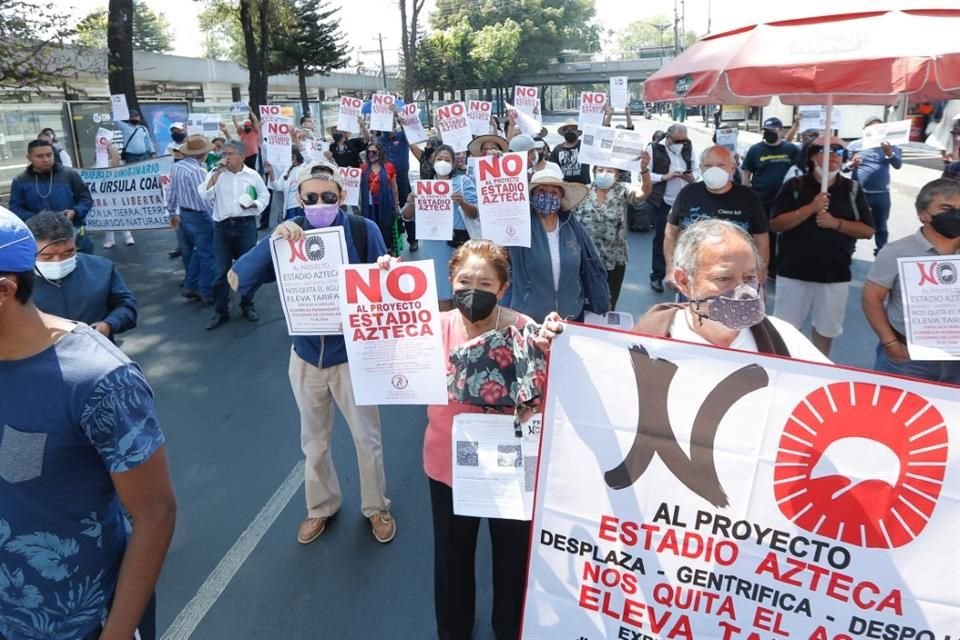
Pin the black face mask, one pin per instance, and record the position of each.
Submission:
(247, 129)
(570, 136)
(475, 304)
(947, 223)
(338, 138)
(770, 137)
(178, 137)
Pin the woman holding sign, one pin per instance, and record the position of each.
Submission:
(379, 197)
(464, 198)
(478, 272)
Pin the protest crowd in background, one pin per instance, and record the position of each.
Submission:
(521, 238)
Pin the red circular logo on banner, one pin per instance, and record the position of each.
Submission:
(862, 464)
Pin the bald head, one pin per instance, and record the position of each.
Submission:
(717, 156)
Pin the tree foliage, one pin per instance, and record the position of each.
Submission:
(494, 50)
(151, 31)
(33, 38)
(645, 34)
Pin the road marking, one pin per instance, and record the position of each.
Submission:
(216, 583)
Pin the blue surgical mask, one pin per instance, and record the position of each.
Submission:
(545, 203)
(604, 180)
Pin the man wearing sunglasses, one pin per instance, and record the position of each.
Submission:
(319, 371)
(818, 234)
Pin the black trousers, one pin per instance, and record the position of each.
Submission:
(454, 556)
(615, 282)
(658, 263)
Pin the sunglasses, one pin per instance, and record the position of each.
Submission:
(837, 149)
(327, 197)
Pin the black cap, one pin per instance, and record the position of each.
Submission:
(135, 113)
(772, 123)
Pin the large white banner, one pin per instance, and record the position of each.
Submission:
(691, 492)
(453, 126)
(930, 293)
(391, 324)
(128, 197)
(503, 199)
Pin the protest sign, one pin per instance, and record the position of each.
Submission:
(270, 111)
(609, 147)
(277, 141)
(104, 137)
(391, 323)
(503, 199)
(349, 113)
(128, 197)
(479, 113)
(733, 112)
(930, 291)
(239, 109)
(527, 100)
(412, 125)
(453, 126)
(313, 150)
(727, 137)
(308, 280)
(686, 491)
(890, 132)
(525, 122)
(381, 112)
(434, 207)
(195, 124)
(814, 116)
(494, 470)
(351, 184)
(592, 104)
(618, 92)
(118, 107)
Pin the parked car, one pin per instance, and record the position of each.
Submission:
(636, 107)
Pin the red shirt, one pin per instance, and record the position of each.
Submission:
(251, 141)
(375, 177)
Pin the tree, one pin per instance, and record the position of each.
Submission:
(494, 52)
(151, 31)
(34, 36)
(651, 33)
(219, 21)
(120, 51)
(255, 24)
(428, 70)
(314, 46)
(410, 23)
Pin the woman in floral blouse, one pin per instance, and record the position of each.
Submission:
(604, 215)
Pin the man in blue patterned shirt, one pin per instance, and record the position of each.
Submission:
(79, 445)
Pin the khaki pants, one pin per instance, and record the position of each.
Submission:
(315, 391)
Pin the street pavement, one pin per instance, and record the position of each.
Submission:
(235, 570)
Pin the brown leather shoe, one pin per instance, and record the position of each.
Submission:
(310, 529)
(384, 527)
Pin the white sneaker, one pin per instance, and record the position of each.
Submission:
(130, 241)
(109, 244)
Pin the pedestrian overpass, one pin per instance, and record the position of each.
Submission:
(592, 72)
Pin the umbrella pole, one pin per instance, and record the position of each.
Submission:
(828, 132)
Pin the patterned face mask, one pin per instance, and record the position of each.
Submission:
(545, 203)
(737, 309)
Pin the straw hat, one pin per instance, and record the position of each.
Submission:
(569, 124)
(478, 142)
(573, 192)
(195, 145)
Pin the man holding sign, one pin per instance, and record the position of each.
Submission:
(319, 371)
(871, 168)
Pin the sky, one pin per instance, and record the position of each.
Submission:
(363, 20)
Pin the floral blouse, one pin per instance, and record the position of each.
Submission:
(607, 224)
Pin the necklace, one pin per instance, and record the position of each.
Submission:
(36, 185)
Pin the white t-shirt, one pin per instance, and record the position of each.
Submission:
(800, 348)
(553, 241)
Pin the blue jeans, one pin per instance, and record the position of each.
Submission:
(196, 248)
(933, 370)
(880, 208)
(658, 263)
(232, 238)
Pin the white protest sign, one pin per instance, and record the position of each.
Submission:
(128, 197)
(270, 111)
(348, 114)
(503, 199)
(527, 100)
(239, 109)
(391, 324)
(412, 125)
(608, 147)
(479, 113)
(434, 207)
(118, 107)
(894, 133)
(351, 184)
(659, 512)
(381, 112)
(211, 125)
(525, 122)
(453, 126)
(815, 117)
(104, 137)
(494, 470)
(592, 104)
(930, 292)
(727, 137)
(195, 124)
(308, 280)
(277, 134)
(619, 97)
(314, 149)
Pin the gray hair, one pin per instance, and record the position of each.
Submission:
(676, 128)
(944, 187)
(235, 145)
(51, 226)
(686, 255)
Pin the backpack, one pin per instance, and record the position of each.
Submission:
(358, 231)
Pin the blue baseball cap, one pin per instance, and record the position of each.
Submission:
(18, 249)
(772, 123)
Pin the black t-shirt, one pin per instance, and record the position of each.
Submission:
(811, 253)
(740, 205)
(349, 154)
(769, 165)
(569, 160)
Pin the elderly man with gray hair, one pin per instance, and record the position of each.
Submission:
(672, 168)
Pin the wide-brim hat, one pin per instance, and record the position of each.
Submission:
(573, 192)
(476, 145)
(195, 145)
(569, 124)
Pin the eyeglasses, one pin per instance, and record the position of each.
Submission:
(837, 149)
(327, 197)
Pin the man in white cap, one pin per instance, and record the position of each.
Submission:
(319, 371)
(178, 135)
(534, 149)
(80, 449)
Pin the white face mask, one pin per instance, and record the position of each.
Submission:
(676, 147)
(819, 172)
(57, 270)
(604, 180)
(442, 168)
(716, 178)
